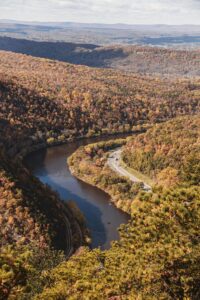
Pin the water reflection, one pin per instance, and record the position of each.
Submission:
(102, 217)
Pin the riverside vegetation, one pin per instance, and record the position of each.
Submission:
(45, 102)
(157, 256)
(169, 153)
(89, 163)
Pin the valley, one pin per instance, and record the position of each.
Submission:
(52, 221)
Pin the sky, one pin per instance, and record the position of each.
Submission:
(103, 11)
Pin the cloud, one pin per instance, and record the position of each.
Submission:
(104, 11)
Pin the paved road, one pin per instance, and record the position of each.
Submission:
(114, 164)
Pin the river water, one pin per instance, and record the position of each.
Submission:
(102, 217)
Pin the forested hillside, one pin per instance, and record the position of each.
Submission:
(32, 213)
(157, 61)
(54, 101)
(136, 59)
(157, 256)
(169, 153)
(45, 102)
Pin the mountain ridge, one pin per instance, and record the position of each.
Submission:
(135, 59)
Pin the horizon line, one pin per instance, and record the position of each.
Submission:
(98, 23)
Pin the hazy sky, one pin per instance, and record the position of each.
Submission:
(104, 11)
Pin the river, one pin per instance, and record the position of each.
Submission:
(103, 218)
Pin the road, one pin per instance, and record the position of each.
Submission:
(114, 164)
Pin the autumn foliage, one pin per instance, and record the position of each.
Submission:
(45, 102)
(169, 153)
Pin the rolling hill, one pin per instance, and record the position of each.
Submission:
(181, 36)
(135, 59)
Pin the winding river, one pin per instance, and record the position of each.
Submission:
(102, 217)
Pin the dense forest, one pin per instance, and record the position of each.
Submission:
(51, 101)
(157, 256)
(170, 152)
(45, 102)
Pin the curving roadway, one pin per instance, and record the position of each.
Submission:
(114, 163)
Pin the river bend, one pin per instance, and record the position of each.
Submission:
(103, 218)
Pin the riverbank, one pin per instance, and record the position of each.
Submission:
(102, 218)
(72, 227)
(89, 164)
(31, 146)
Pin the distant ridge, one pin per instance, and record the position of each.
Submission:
(178, 36)
(136, 59)
(151, 27)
